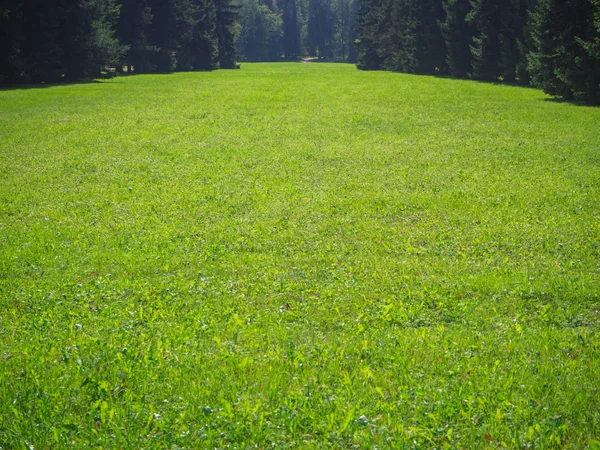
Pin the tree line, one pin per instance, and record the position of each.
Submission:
(552, 44)
(69, 40)
(274, 29)
(55, 40)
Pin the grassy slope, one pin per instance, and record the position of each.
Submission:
(298, 254)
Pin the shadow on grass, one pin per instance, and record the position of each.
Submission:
(570, 102)
(325, 60)
(526, 86)
(98, 80)
(20, 87)
(493, 83)
(17, 87)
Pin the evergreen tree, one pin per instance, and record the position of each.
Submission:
(30, 50)
(291, 29)
(251, 39)
(133, 30)
(197, 43)
(329, 30)
(204, 46)
(11, 36)
(320, 29)
(430, 47)
(261, 33)
(525, 45)
(353, 32)
(342, 16)
(169, 35)
(566, 62)
(226, 14)
(275, 36)
(511, 32)
(371, 21)
(55, 39)
(486, 48)
(398, 37)
(415, 39)
(52, 40)
(500, 27)
(458, 34)
(171, 32)
(89, 38)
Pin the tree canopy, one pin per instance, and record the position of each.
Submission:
(54, 40)
(553, 44)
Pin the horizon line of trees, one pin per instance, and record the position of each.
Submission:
(71, 40)
(272, 30)
(551, 44)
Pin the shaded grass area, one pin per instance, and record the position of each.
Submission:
(298, 255)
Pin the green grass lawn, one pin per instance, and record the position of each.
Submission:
(298, 256)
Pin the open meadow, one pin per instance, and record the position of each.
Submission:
(298, 256)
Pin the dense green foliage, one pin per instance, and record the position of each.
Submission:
(458, 35)
(261, 32)
(567, 34)
(52, 40)
(402, 36)
(555, 43)
(271, 30)
(298, 256)
(47, 40)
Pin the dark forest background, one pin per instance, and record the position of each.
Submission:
(552, 44)
(53, 40)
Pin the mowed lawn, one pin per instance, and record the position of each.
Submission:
(298, 256)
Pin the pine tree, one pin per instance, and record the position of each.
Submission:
(89, 40)
(55, 39)
(291, 29)
(458, 34)
(398, 40)
(172, 29)
(416, 41)
(251, 31)
(11, 38)
(32, 40)
(226, 12)
(486, 50)
(525, 45)
(204, 46)
(261, 35)
(133, 30)
(430, 48)
(353, 34)
(197, 40)
(566, 62)
(342, 12)
(371, 21)
(403, 35)
(52, 40)
(320, 30)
